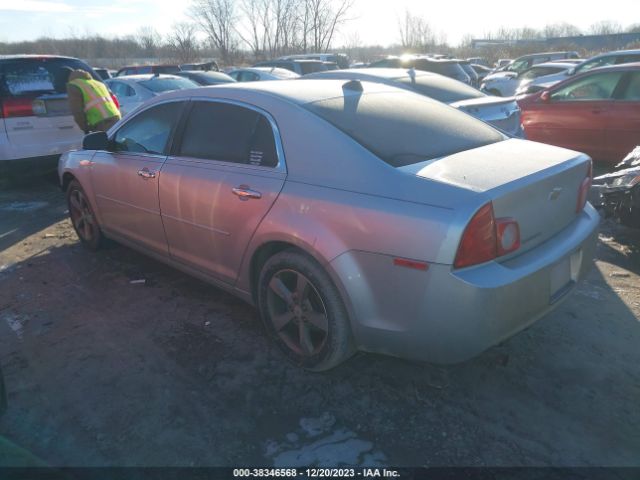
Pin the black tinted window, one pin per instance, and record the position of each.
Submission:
(149, 131)
(229, 133)
(37, 75)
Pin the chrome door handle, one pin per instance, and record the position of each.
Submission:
(245, 193)
(146, 173)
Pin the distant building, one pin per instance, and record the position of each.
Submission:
(614, 41)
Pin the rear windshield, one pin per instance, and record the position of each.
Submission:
(443, 89)
(37, 76)
(449, 69)
(404, 128)
(167, 84)
(311, 67)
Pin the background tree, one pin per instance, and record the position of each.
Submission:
(183, 43)
(217, 19)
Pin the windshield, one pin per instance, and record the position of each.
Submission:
(32, 76)
(440, 88)
(159, 84)
(403, 128)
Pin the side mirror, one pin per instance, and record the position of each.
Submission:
(545, 96)
(96, 141)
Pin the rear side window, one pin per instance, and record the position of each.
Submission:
(632, 92)
(37, 76)
(404, 128)
(121, 89)
(149, 131)
(160, 84)
(310, 67)
(228, 133)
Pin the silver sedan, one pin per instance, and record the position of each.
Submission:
(353, 215)
(503, 113)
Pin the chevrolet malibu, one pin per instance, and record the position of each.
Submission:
(353, 215)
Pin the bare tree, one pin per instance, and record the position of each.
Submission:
(149, 40)
(321, 19)
(183, 42)
(415, 33)
(605, 27)
(563, 29)
(217, 18)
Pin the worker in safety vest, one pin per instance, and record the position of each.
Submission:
(91, 103)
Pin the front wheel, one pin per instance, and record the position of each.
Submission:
(302, 310)
(84, 221)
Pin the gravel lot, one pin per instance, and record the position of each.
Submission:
(101, 371)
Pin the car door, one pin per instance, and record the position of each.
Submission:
(576, 114)
(219, 183)
(125, 179)
(623, 127)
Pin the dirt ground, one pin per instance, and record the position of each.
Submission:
(174, 372)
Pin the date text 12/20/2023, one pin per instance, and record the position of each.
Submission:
(316, 472)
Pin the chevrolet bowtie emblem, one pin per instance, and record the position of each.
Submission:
(555, 193)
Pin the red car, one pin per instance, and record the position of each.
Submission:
(597, 112)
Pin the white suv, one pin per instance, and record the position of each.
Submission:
(36, 125)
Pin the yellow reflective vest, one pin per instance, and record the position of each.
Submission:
(98, 104)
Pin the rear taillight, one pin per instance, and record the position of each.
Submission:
(487, 238)
(16, 107)
(115, 100)
(583, 190)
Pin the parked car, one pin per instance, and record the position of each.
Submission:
(205, 78)
(448, 68)
(103, 73)
(506, 84)
(340, 59)
(256, 74)
(143, 69)
(481, 71)
(36, 124)
(301, 67)
(500, 112)
(606, 59)
(133, 90)
(211, 66)
(596, 112)
(479, 61)
(354, 215)
(544, 76)
(617, 193)
(525, 62)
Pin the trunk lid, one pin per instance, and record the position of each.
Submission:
(502, 113)
(535, 184)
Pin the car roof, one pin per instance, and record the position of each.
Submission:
(617, 52)
(554, 64)
(29, 55)
(142, 77)
(292, 91)
(370, 74)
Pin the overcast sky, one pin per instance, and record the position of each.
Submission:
(375, 21)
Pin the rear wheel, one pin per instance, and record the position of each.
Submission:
(302, 310)
(84, 221)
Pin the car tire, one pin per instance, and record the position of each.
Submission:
(82, 217)
(303, 312)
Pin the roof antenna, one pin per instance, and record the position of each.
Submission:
(354, 85)
(412, 75)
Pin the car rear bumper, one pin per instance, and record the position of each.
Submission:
(447, 316)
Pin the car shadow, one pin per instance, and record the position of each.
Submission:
(104, 350)
(27, 206)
